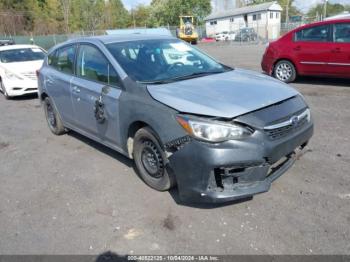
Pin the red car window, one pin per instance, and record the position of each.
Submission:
(342, 33)
(314, 34)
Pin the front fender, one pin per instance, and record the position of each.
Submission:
(139, 106)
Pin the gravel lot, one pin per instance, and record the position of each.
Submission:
(69, 195)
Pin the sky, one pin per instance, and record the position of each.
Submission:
(132, 3)
(303, 5)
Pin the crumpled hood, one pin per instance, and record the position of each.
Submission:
(225, 95)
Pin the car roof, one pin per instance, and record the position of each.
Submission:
(12, 47)
(107, 39)
(326, 22)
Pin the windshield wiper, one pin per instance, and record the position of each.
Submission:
(184, 77)
(193, 75)
(155, 82)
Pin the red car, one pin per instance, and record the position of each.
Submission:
(318, 49)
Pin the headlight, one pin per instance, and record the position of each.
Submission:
(12, 76)
(212, 131)
(308, 115)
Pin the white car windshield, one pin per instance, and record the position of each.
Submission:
(163, 60)
(21, 55)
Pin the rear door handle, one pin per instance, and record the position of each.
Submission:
(336, 50)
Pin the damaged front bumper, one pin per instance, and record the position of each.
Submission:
(216, 173)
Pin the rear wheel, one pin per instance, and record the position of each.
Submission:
(285, 71)
(53, 119)
(150, 160)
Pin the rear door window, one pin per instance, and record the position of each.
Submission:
(65, 60)
(314, 34)
(342, 33)
(93, 65)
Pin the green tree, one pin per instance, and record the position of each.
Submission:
(167, 12)
(142, 16)
(116, 16)
(47, 19)
(332, 9)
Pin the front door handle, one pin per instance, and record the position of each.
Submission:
(297, 48)
(76, 89)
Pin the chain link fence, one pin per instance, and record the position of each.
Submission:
(255, 34)
(48, 41)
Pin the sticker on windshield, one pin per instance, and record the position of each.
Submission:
(180, 47)
(36, 50)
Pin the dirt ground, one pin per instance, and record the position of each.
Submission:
(69, 195)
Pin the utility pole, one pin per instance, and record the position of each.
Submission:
(325, 9)
(287, 12)
(133, 16)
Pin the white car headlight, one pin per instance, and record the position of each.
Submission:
(12, 76)
(212, 131)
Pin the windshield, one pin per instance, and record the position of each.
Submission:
(162, 60)
(187, 20)
(21, 55)
(246, 30)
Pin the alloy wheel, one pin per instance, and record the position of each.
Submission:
(284, 72)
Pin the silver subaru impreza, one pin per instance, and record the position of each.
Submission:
(217, 133)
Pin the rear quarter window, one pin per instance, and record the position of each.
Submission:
(52, 59)
(63, 59)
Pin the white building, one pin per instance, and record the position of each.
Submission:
(264, 18)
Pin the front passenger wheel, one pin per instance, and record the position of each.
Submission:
(4, 90)
(151, 161)
(52, 117)
(285, 71)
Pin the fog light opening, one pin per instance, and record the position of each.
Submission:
(218, 178)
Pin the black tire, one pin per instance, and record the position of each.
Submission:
(4, 92)
(151, 161)
(52, 117)
(285, 71)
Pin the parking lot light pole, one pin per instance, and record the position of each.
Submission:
(287, 12)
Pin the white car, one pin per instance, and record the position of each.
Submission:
(18, 66)
(225, 36)
(222, 36)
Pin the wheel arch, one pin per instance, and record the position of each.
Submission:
(132, 129)
(285, 59)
